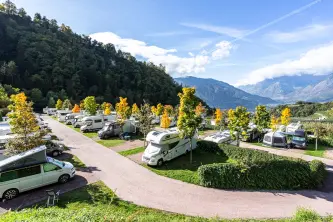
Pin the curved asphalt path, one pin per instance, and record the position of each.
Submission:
(135, 183)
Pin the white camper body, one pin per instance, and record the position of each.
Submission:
(165, 146)
(30, 170)
(292, 127)
(61, 114)
(4, 128)
(51, 111)
(275, 139)
(219, 137)
(78, 121)
(95, 123)
(69, 118)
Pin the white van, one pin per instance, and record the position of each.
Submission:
(165, 146)
(70, 118)
(51, 111)
(95, 123)
(61, 114)
(30, 170)
(78, 121)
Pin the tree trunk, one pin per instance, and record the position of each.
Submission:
(316, 143)
(144, 140)
(190, 149)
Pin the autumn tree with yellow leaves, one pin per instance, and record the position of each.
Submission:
(200, 109)
(159, 109)
(76, 109)
(275, 121)
(285, 116)
(165, 121)
(23, 124)
(135, 109)
(238, 122)
(218, 117)
(123, 109)
(153, 110)
(168, 109)
(59, 104)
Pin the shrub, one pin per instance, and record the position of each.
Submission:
(318, 172)
(208, 146)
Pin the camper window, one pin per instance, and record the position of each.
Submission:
(98, 121)
(50, 167)
(29, 171)
(300, 139)
(278, 140)
(173, 145)
(7, 176)
(268, 139)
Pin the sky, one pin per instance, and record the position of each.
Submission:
(236, 41)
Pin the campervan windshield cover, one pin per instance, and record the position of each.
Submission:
(28, 158)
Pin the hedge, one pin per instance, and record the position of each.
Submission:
(208, 146)
(258, 169)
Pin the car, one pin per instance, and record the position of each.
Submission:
(54, 148)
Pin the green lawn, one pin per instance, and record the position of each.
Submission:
(132, 151)
(75, 161)
(181, 168)
(110, 142)
(96, 202)
(311, 150)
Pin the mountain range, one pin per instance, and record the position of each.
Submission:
(220, 94)
(289, 89)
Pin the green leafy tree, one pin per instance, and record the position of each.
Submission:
(90, 105)
(59, 104)
(24, 125)
(51, 103)
(238, 122)
(145, 118)
(188, 120)
(67, 104)
(4, 99)
(262, 118)
(10, 7)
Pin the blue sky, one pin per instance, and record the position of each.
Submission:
(236, 41)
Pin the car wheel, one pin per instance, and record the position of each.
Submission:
(10, 194)
(63, 178)
(160, 162)
(55, 153)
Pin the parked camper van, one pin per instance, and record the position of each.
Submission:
(30, 170)
(51, 111)
(78, 121)
(70, 118)
(94, 123)
(275, 139)
(292, 127)
(165, 146)
(113, 128)
(299, 139)
(61, 114)
(219, 137)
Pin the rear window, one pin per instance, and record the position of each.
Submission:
(7, 176)
(98, 121)
(278, 140)
(29, 171)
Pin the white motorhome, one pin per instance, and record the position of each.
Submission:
(70, 118)
(30, 170)
(275, 139)
(51, 111)
(165, 146)
(219, 137)
(292, 127)
(61, 114)
(95, 123)
(4, 128)
(77, 122)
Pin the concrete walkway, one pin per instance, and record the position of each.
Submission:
(143, 187)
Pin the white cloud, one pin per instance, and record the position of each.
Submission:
(191, 54)
(204, 52)
(166, 57)
(222, 50)
(316, 61)
(231, 32)
(300, 34)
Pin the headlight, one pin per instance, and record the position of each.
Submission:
(303, 144)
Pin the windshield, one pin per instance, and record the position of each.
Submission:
(57, 162)
(299, 139)
(154, 148)
(106, 128)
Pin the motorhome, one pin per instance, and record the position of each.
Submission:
(4, 128)
(30, 170)
(299, 139)
(219, 137)
(61, 114)
(70, 118)
(51, 111)
(155, 120)
(45, 110)
(275, 139)
(166, 145)
(77, 122)
(95, 123)
(113, 128)
(292, 127)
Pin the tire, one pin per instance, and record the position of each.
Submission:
(186, 152)
(55, 153)
(160, 162)
(63, 178)
(10, 194)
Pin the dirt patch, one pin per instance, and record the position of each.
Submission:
(328, 153)
(128, 145)
(136, 158)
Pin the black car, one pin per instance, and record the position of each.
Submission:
(299, 139)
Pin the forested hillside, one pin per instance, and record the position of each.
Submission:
(49, 61)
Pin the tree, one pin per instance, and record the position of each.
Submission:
(59, 104)
(188, 120)
(82, 104)
(23, 123)
(285, 116)
(200, 109)
(168, 109)
(22, 12)
(76, 109)
(122, 109)
(10, 7)
(90, 105)
(238, 121)
(154, 110)
(261, 118)
(159, 109)
(135, 109)
(318, 130)
(218, 118)
(145, 118)
(67, 104)
(107, 111)
(4, 99)
(165, 121)
(274, 123)
(2, 8)
(51, 103)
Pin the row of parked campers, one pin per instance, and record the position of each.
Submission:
(279, 139)
(30, 170)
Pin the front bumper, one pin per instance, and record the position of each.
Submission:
(149, 161)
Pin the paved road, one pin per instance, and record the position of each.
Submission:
(143, 187)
